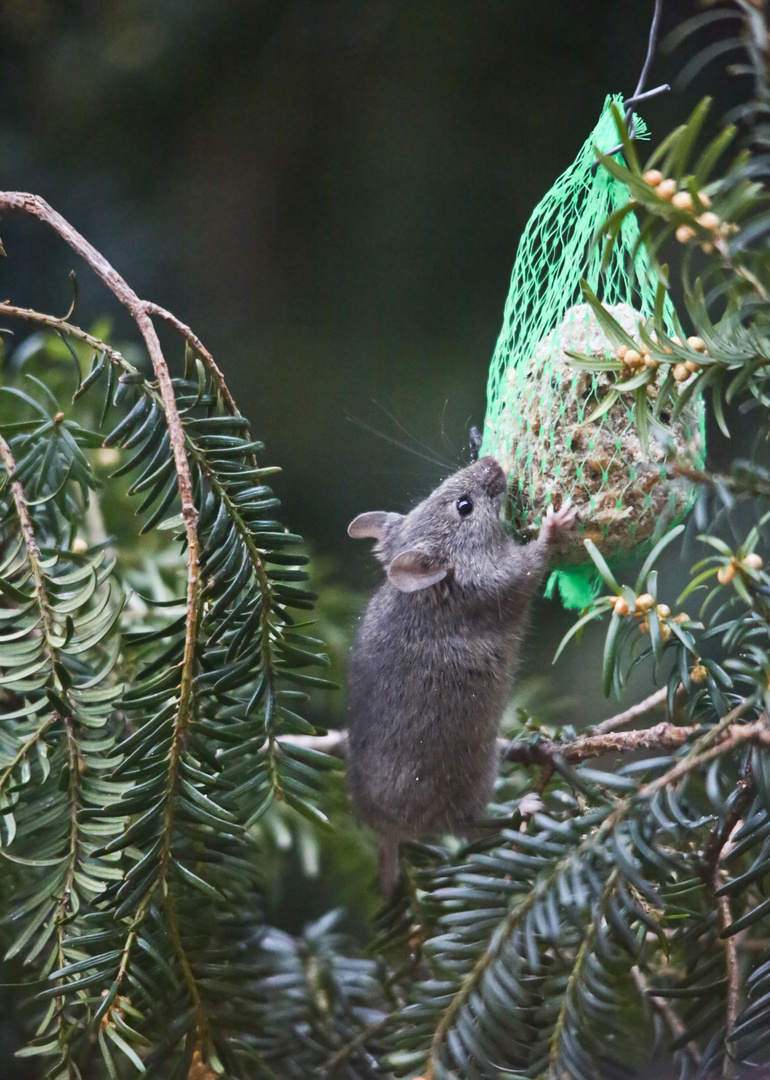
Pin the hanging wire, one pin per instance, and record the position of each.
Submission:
(640, 94)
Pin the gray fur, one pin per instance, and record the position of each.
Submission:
(431, 668)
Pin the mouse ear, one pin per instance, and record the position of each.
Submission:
(414, 570)
(372, 524)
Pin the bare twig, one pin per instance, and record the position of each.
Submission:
(665, 1012)
(731, 963)
(544, 751)
(664, 735)
(717, 847)
(61, 326)
(633, 713)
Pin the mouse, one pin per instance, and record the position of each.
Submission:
(433, 660)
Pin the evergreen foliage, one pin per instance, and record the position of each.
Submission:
(153, 722)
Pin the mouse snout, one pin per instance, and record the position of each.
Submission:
(492, 476)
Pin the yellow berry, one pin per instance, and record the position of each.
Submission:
(653, 177)
(698, 674)
(682, 200)
(681, 374)
(684, 233)
(663, 611)
(725, 574)
(620, 607)
(696, 343)
(753, 561)
(665, 189)
(709, 220)
(644, 602)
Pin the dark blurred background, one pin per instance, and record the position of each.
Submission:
(329, 191)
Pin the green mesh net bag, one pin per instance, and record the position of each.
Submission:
(544, 421)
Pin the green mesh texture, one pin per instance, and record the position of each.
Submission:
(538, 402)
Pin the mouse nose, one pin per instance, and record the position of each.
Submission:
(492, 476)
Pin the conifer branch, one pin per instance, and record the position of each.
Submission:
(74, 760)
(141, 311)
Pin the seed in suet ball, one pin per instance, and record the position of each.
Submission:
(663, 611)
(697, 343)
(622, 350)
(665, 189)
(698, 674)
(651, 362)
(682, 200)
(692, 366)
(620, 607)
(753, 561)
(653, 177)
(632, 358)
(644, 602)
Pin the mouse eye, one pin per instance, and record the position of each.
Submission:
(464, 505)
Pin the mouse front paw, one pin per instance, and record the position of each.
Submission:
(556, 520)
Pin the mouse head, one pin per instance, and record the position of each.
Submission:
(449, 533)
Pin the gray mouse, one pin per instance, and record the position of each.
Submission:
(431, 668)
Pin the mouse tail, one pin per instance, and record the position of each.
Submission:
(388, 865)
